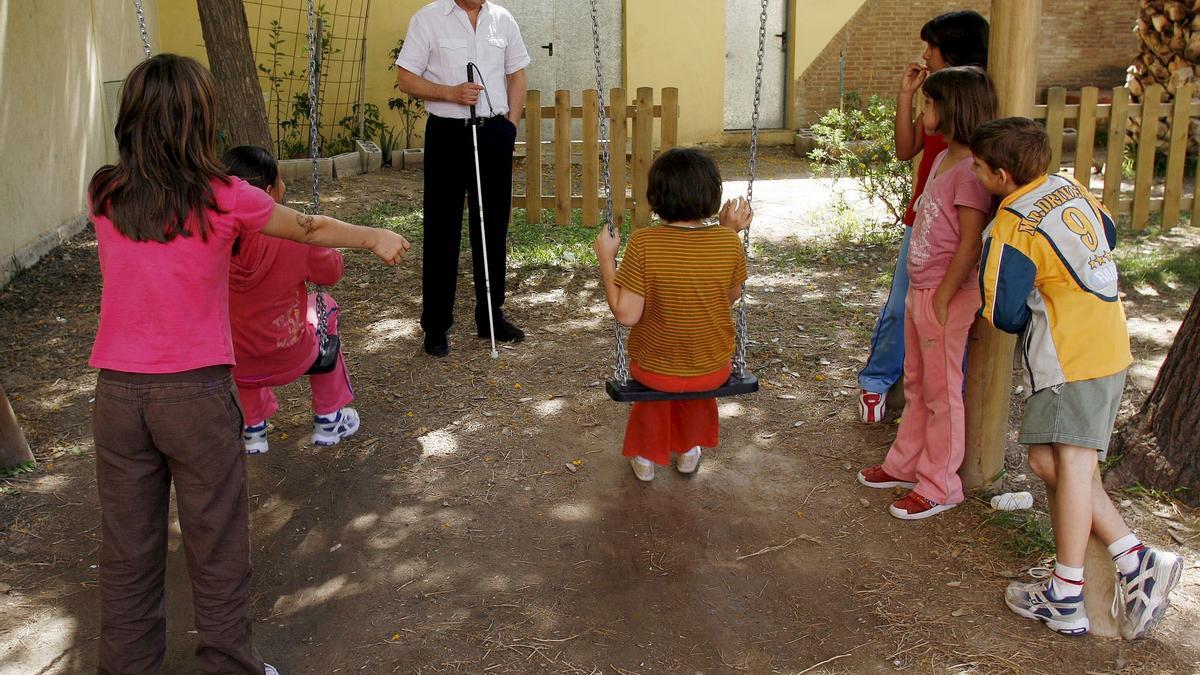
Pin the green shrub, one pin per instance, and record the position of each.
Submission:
(857, 142)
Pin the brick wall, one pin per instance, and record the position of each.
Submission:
(1084, 42)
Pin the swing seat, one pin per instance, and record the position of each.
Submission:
(633, 391)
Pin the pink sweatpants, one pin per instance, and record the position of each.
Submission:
(930, 443)
(330, 391)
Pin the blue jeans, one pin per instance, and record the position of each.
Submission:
(885, 365)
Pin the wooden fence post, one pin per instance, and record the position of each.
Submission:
(669, 126)
(643, 154)
(1118, 124)
(590, 187)
(1085, 149)
(618, 110)
(14, 449)
(1176, 159)
(562, 157)
(533, 157)
(1147, 146)
(1056, 110)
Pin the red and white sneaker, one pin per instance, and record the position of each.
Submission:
(871, 406)
(876, 477)
(913, 506)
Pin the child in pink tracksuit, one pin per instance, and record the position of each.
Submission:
(274, 319)
(943, 298)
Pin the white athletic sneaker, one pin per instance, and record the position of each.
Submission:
(1066, 616)
(255, 438)
(642, 468)
(331, 429)
(689, 461)
(270, 669)
(1147, 591)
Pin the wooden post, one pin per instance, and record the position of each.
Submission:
(1013, 66)
(1147, 145)
(562, 157)
(1085, 149)
(670, 118)
(590, 188)
(1180, 123)
(1056, 112)
(14, 449)
(643, 154)
(533, 157)
(1118, 124)
(618, 110)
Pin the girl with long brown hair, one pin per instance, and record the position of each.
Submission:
(166, 217)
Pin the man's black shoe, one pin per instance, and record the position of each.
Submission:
(436, 345)
(505, 332)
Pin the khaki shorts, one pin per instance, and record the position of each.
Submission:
(1075, 413)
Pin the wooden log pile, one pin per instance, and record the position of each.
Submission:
(1169, 55)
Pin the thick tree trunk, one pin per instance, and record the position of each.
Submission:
(14, 450)
(227, 41)
(1160, 445)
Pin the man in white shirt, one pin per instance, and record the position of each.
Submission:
(443, 38)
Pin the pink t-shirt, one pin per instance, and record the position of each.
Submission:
(165, 307)
(268, 306)
(935, 234)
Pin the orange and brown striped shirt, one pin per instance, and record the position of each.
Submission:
(685, 275)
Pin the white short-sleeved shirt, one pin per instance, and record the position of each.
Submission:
(440, 43)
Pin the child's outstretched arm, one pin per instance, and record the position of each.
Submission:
(626, 305)
(287, 223)
(966, 257)
(909, 140)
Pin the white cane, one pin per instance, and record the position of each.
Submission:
(487, 277)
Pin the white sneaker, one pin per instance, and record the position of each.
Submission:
(642, 468)
(331, 429)
(270, 669)
(255, 438)
(689, 461)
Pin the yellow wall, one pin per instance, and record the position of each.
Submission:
(55, 128)
(679, 43)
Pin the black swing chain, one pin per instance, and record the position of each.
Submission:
(313, 151)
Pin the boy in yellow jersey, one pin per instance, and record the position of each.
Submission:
(1048, 273)
(675, 288)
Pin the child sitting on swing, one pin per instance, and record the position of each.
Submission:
(675, 288)
(274, 318)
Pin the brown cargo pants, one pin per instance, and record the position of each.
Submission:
(150, 431)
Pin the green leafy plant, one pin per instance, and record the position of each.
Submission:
(387, 142)
(411, 109)
(857, 142)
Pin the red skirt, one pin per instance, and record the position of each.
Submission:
(658, 428)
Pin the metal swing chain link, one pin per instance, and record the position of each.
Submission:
(141, 17)
(739, 358)
(313, 152)
(621, 370)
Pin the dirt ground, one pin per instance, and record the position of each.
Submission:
(483, 521)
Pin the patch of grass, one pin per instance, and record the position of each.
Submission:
(529, 244)
(1141, 491)
(1158, 266)
(23, 467)
(1027, 532)
(851, 229)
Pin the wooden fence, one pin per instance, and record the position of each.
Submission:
(641, 112)
(1150, 195)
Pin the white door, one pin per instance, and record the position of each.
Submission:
(558, 35)
(741, 57)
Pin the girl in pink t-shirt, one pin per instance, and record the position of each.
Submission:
(942, 300)
(166, 216)
(274, 318)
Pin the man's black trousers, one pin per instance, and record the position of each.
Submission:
(449, 179)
